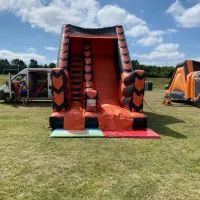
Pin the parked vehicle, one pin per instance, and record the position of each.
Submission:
(38, 81)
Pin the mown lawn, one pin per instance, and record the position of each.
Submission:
(3, 79)
(33, 166)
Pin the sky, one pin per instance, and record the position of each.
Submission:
(158, 32)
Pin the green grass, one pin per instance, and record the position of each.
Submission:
(34, 166)
(3, 79)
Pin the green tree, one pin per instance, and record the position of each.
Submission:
(33, 63)
(52, 65)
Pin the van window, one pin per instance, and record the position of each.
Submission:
(20, 77)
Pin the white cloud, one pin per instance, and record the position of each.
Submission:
(176, 8)
(163, 52)
(137, 31)
(54, 61)
(187, 18)
(171, 30)
(154, 37)
(88, 13)
(150, 41)
(156, 33)
(167, 47)
(111, 15)
(31, 50)
(5, 54)
(51, 48)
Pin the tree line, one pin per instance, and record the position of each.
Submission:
(154, 71)
(16, 65)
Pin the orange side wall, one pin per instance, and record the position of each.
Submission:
(178, 83)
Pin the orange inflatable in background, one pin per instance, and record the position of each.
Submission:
(185, 83)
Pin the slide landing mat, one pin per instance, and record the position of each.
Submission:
(145, 133)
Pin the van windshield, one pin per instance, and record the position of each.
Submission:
(19, 77)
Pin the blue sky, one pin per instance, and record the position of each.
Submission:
(158, 32)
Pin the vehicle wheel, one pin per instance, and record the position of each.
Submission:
(7, 98)
(168, 102)
(163, 101)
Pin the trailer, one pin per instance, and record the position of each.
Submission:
(38, 81)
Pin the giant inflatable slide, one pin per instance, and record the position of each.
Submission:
(94, 85)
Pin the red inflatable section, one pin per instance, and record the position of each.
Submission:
(73, 118)
(146, 133)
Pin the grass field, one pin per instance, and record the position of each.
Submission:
(33, 166)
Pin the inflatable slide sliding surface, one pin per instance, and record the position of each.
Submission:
(94, 85)
(185, 83)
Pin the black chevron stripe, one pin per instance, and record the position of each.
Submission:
(88, 56)
(58, 91)
(65, 44)
(140, 77)
(63, 51)
(87, 72)
(126, 62)
(67, 31)
(122, 47)
(137, 108)
(88, 87)
(120, 33)
(59, 108)
(139, 93)
(124, 54)
(128, 70)
(57, 74)
(63, 59)
(89, 64)
(87, 50)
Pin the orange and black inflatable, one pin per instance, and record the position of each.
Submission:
(185, 83)
(94, 85)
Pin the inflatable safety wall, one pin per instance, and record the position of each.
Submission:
(185, 83)
(94, 85)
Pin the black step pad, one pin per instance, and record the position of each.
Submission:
(76, 99)
(91, 122)
(76, 77)
(76, 95)
(76, 60)
(77, 66)
(76, 72)
(75, 89)
(76, 83)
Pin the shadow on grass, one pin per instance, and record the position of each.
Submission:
(158, 123)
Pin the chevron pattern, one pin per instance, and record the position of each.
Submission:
(64, 48)
(88, 80)
(123, 50)
(138, 91)
(59, 89)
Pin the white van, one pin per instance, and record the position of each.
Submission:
(38, 81)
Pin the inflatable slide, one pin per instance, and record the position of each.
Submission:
(94, 85)
(185, 83)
